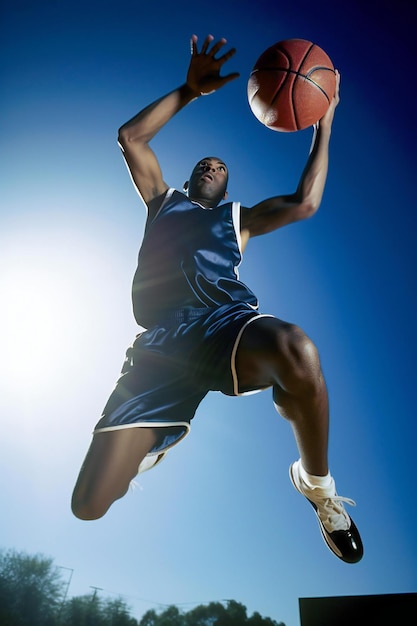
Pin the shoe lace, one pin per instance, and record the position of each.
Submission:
(332, 513)
(134, 484)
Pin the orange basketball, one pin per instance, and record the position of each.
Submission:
(291, 85)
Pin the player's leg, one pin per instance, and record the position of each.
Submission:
(111, 462)
(275, 353)
(278, 354)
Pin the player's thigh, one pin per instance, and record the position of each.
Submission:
(112, 461)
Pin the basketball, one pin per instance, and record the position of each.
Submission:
(291, 85)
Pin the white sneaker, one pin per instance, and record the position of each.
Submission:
(337, 528)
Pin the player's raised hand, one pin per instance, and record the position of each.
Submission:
(203, 75)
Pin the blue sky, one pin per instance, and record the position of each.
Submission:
(219, 518)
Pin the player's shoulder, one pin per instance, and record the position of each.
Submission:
(156, 203)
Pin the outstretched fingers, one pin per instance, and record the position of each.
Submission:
(217, 46)
(193, 44)
(214, 50)
(194, 40)
(206, 43)
(203, 74)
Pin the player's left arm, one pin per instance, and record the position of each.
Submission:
(279, 211)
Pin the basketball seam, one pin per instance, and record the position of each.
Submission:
(311, 80)
(296, 117)
(306, 55)
(280, 87)
(288, 71)
(278, 91)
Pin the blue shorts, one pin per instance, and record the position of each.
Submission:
(171, 367)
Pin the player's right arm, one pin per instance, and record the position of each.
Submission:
(203, 77)
(135, 135)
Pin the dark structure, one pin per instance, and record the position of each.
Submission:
(379, 610)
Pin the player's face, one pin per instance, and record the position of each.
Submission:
(208, 181)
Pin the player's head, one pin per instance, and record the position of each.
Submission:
(208, 182)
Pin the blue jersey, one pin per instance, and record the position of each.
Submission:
(189, 258)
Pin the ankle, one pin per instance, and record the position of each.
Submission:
(312, 480)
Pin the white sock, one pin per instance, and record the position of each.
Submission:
(314, 481)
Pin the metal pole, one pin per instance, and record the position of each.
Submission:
(66, 589)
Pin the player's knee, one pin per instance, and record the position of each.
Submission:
(87, 509)
(301, 360)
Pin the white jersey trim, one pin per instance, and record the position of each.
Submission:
(168, 194)
(150, 424)
(233, 359)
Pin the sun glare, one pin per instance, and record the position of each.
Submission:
(49, 294)
(35, 316)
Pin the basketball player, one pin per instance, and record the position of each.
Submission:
(203, 328)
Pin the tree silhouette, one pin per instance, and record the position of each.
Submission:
(32, 594)
(31, 590)
(212, 614)
(93, 611)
